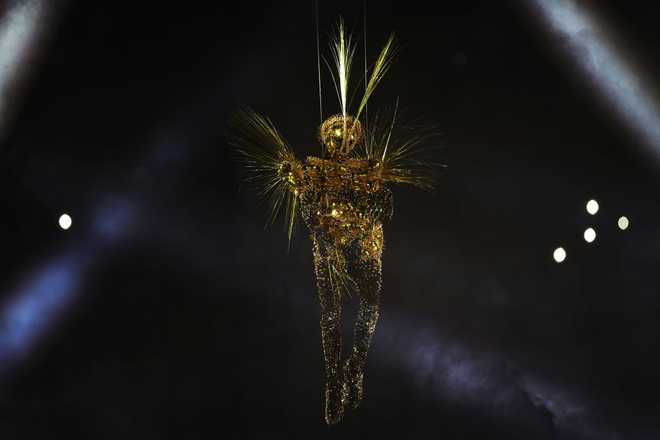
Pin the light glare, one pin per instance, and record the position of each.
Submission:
(559, 255)
(589, 235)
(592, 207)
(623, 223)
(65, 221)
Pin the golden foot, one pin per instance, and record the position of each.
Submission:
(334, 405)
(352, 386)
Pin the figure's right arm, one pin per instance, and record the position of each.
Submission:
(292, 172)
(268, 163)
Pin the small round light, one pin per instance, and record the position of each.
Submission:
(65, 221)
(623, 223)
(589, 235)
(592, 207)
(559, 254)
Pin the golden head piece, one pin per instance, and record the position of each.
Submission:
(340, 134)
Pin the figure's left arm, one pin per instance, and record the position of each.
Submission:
(382, 197)
(404, 156)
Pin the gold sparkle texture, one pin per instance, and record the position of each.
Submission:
(343, 199)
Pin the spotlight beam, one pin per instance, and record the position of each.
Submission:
(24, 25)
(587, 42)
(491, 383)
(40, 299)
(45, 295)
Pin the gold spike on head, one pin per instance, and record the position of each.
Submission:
(342, 49)
(380, 68)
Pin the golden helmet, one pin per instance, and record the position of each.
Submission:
(340, 134)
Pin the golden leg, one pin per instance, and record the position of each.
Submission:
(368, 277)
(330, 302)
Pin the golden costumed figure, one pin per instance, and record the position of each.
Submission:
(343, 199)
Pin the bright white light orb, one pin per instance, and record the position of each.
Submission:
(623, 223)
(65, 221)
(589, 235)
(592, 207)
(559, 254)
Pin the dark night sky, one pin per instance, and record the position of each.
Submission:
(189, 320)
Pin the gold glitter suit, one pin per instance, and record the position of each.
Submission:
(343, 199)
(343, 202)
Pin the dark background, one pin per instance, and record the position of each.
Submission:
(190, 320)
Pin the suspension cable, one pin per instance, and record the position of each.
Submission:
(366, 105)
(318, 58)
